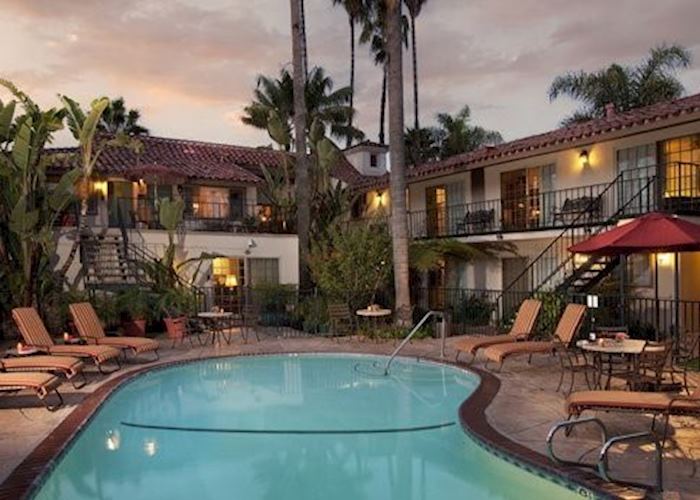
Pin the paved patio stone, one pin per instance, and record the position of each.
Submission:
(524, 410)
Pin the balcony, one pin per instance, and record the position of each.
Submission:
(632, 193)
(142, 213)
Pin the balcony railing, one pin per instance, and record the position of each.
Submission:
(142, 213)
(582, 206)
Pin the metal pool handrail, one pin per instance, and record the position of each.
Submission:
(602, 465)
(418, 326)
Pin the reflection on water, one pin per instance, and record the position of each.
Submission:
(110, 460)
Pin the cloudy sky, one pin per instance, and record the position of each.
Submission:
(190, 65)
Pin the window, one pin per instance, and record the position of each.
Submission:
(637, 165)
(373, 160)
(639, 270)
(682, 159)
(263, 271)
(227, 272)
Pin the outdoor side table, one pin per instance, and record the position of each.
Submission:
(373, 315)
(605, 352)
(217, 322)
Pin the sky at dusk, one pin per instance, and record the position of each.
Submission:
(190, 65)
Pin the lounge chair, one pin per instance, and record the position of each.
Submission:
(65, 365)
(90, 328)
(521, 330)
(43, 384)
(655, 403)
(35, 334)
(567, 328)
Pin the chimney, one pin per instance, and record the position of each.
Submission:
(609, 110)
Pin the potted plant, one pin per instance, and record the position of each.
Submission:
(135, 309)
(174, 305)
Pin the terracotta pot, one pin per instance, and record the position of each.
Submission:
(134, 328)
(175, 327)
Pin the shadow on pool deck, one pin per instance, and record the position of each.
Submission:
(523, 410)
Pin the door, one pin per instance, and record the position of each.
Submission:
(436, 210)
(514, 199)
(437, 281)
(680, 159)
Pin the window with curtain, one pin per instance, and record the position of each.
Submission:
(263, 271)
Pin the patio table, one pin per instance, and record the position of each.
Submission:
(217, 322)
(606, 351)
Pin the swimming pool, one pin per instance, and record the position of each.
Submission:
(288, 427)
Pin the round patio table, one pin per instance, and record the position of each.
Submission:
(217, 321)
(605, 352)
(372, 316)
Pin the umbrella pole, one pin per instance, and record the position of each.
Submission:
(677, 295)
(657, 321)
(623, 271)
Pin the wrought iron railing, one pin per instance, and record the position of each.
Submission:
(142, 213)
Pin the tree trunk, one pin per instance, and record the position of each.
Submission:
(304, 47)
(302, 188)
(416, 122)
(348, 142)
(382, 108)
(399, 218)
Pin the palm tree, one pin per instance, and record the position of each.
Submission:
(399, 217)
(117, 120)
(414, 10)
(421, 145)
(322, 102)
(357, 12)
(374, 33)
(625, 87)
(301, 184)
(455, 135)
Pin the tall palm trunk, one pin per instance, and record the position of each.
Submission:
(382, 108)
(302, 188)
(414, 53)
(399, 218)
(304, 46)
(348, 141)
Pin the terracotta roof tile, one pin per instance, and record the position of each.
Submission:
(594, 129)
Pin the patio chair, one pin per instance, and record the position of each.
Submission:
(67, 366)
(90, 328)
(340, 320)
(35, 334)
(649, 371)
(43, 384)
(179, 328)
(684, 352)
(250, 315)
(567, 328)
(521, 330)
(573, 361)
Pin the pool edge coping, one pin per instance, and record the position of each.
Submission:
(28, 476)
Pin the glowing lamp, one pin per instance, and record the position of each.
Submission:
(664, 259)
(583, 159)
(100, 188)
(380, 198)
(231, 281)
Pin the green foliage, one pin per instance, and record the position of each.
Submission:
(626, 87)
(116, 119)
(174, 302)
(135, 303)
(272, 108)
(29, 205)
(426, 255)
(553, 304)
(473, 310)
(353, 263)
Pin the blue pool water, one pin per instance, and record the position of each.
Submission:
(297, 427)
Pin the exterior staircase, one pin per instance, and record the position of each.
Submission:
(108, 265)
(557, 269)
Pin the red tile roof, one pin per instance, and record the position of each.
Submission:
(593, 130)
(198, 160)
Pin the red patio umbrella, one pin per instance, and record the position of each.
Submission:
(651, 233)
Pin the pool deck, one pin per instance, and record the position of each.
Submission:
(523, 410)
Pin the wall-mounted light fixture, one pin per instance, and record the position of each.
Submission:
(584, 160)
(380, 198)
(664, 259)
(100, 189)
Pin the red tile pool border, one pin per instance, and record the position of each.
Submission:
(27, 476)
